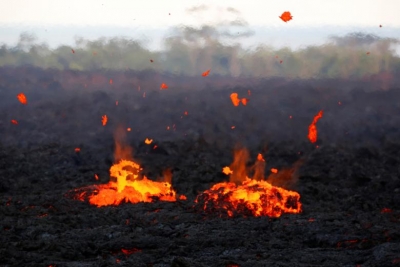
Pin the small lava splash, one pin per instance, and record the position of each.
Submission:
(242, 196)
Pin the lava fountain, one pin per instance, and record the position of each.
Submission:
(247, 196)
(126, 183)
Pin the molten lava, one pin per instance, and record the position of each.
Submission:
(127, 185)
(248, 196)
(312, 129)
(22, 98)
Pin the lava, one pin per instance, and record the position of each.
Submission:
(22, 98)
(312, 129)
(247, 196)
(127, 184)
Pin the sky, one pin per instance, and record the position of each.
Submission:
(58, 21)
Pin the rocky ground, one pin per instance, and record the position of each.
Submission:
(348, 181)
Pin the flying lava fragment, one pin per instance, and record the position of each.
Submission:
(236, 100)
(163, 86)
(286, 16)
(104, 120)
(312, 129)
(22, 98)
(148, 141)
(14, 122)
(206, 73)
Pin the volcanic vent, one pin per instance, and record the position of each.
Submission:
(247, 196)
(126, 182)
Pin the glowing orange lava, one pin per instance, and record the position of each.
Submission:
(204, 74)
(104, 120)
(247, 196)
(286, 16)
(163, 86)
(127, 184)
(312, 129)
(22, 98)
(236, 100)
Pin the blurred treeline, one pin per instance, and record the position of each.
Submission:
(191, 51)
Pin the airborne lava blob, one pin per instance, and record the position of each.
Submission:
(245, 196)
(126, 184)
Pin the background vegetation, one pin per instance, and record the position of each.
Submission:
(191, 51)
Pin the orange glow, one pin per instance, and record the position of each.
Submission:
(116, 103)
(77, 149)
(148, 141)
(111, 81)
(260, 157)
(96, 177)
(235, 99)
(245, 196)
(233, 127)
(273, 170)
(22, 98)
(286, 16)
(227, 170)
(163, 86)
(206, 73)
(104, 120)
(14, 122)
(126, 183)
(185, 113)
(312, 129)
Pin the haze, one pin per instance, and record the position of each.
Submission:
(59, 22)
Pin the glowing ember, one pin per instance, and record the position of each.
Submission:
(286, 16)
(148, 141)
(104, 120)
(206, 73)
(236, 100)
(245, 196)
(22, 98)
(163, 86)
(77, 149)
(312, 129)
(127, 185)
(14, 122)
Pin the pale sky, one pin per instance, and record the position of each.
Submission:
(155, 13)
(58, 22)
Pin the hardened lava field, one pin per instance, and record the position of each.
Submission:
(347, 180)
